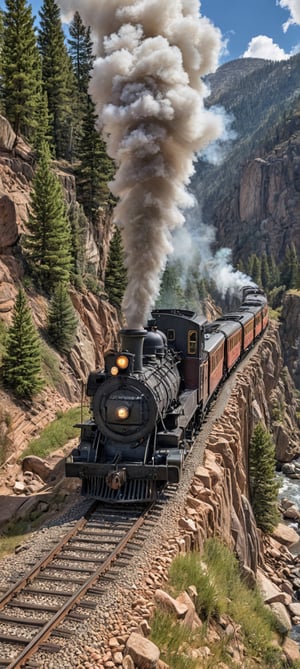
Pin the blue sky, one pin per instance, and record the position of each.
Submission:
(258, 28)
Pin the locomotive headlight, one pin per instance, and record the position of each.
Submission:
(122, 361)
(114, 371)
(122, 413)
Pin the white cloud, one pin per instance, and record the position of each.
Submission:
(294, 7)
(262, 46)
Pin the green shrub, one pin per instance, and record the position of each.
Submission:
(220, 590)
(56, 434)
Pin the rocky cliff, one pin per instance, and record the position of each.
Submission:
(98, 323)
(97, 320)
(262, 211)
(221, 486)
(289, 334)
(249, 188)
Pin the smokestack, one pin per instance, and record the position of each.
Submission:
(133, 341)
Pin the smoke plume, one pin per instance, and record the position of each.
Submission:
(146, 84)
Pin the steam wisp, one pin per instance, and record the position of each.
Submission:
(149, 97)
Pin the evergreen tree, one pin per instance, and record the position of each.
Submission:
(81, 52)
(62, 321)
(240, 266)
(249, 265)
(96, 168)
(274, 272)
(21, 71)
(22, 360)
(265, 272)
(116, 274)
(79, 231)
(202, 288)
(256, 270)
(58, 78)
(263, 485)
(290, 268)
(48, 246)
(171, 293)
(43, 131)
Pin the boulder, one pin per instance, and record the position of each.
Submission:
(9, 232)
(285, 535)
(284, 624)
(294, 608)
(143, 652)
(7, 135)
(36, 465)
(172, 605)
(269, 591)
(291, 650)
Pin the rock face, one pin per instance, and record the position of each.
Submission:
(289, 334)
(98, 324)
(219, 499)
(266, 203)
(252, 197)
(97, 320)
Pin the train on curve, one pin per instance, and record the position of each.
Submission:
(153, 394)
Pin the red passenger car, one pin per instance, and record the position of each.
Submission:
(214, 345)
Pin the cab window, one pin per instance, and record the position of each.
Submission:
(192, 342)
(171, 335)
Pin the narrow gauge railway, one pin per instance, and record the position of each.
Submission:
(60, 588)
(153, 396)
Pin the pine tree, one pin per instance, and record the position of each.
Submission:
(263, 485)
(256, 270)
(171, 293)
(290, 267)
(82, 58)
(21, 70)
(81, 52)
(240, 266)
(96, 169)
(79, 231)
(274, 272)
(58, 78)
(62, 321)
(265, 272)
(48, 246)
(43, 131)
(116, 274)
(22, 360)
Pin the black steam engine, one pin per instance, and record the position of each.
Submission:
(152, 396)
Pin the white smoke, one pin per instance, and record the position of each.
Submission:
(198, 240)
(217, 151)
(149, 99)
(229, 281)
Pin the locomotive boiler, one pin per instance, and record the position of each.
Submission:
(124, 451)
(151, 397)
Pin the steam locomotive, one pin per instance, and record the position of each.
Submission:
(152, 396)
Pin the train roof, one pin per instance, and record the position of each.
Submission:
(242, 316)
(228, 326)
(255, 301)
(212, 340)
(251, 308)
(180, 313)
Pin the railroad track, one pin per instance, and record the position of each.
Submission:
(60, 588)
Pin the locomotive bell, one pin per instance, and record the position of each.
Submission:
(133, 341)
